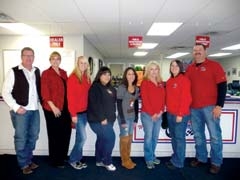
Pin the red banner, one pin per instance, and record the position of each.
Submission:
(56, 41)
(134, 41)
(205, 40)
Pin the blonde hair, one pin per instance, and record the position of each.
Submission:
(77, 71)
(53, 54)
(149, 65)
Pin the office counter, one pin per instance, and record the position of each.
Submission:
(229, 123)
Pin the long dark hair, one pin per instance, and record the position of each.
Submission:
(101, 71)
(124, 79)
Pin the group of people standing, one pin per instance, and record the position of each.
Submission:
(73, 101)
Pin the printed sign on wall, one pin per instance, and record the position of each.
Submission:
(56, 41)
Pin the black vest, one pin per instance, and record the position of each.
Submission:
(20, 90)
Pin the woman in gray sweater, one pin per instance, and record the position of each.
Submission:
(127, 105)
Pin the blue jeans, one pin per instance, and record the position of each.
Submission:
(27, 127)
(128, 130)
(178, 133)
(104, 143)
(151, 132)
(80, 138)
(200, 117)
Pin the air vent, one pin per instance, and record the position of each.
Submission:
(179, 47)
(6, 19)
(214, 33)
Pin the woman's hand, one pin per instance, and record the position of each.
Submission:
(104, 122)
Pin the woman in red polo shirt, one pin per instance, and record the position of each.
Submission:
(58, 119)
(178, 100)
(153, 104)
(77, 92)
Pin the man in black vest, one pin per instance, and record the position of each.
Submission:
(21, 92)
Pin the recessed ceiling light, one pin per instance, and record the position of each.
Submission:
(20, 28)
(176, 55)
(163, 29)
(219, 54)
(140, 53)
(233, 47)
(148, 45)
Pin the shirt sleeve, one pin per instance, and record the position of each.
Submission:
(120, 94)
(7, 91)
(71, 96)
(185, 96)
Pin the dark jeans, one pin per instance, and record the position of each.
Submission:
(104, 143)
(59, 133)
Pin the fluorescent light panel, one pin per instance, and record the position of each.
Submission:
(219, 54)
(176, 55)
(140, 53)
(163, 29)
(20, 28)
(233, 47)
(148, 45)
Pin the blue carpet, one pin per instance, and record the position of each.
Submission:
(9, 171)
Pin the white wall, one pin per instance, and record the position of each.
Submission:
(229, 64)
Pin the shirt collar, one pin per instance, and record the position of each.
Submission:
(21, 67)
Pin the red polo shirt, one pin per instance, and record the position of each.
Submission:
(178, 95)
(77, 94)
(153, 97)
(204, 79)
(53, 88)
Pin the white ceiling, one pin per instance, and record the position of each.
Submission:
(108, 23)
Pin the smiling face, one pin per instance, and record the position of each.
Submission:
(55, 61)
(82, 64)
(153, 71)
(27, 59)
(105, 78)
(130, 76)
(174, 68)
(199, 53)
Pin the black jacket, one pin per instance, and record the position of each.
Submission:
(101, 103)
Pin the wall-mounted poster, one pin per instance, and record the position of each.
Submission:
(228, 73)
(234, 71)
(100, 63)
(90, 61)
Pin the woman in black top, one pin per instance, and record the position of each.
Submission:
(101, 116)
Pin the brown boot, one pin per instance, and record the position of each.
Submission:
(124, 152)
(129, 149)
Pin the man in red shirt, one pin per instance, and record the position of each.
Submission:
(208, 88)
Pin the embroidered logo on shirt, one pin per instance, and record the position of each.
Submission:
(175, 85)
(109, 91)
(202, 68)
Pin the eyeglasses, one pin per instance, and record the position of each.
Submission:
(30, 56)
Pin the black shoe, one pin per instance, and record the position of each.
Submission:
(196, 163)
(170, 165)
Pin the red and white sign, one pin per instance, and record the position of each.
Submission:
(205, 40)
(56, 41)
(134, 41)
